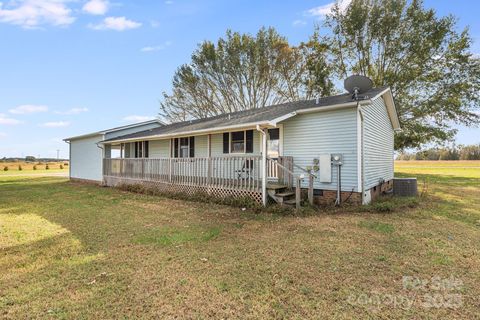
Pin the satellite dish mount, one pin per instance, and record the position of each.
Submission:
(357, 84)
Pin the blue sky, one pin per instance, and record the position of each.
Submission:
(69, 67)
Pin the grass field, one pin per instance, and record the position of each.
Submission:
(28, 167)
(75, 251)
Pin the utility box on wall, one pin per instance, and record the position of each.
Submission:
(325, 168)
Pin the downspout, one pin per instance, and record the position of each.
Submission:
(103, 160)
(264, 165)
(362, 152)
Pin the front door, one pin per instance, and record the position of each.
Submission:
(273, 152)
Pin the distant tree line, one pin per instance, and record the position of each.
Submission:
(461, 152)
(30, 159)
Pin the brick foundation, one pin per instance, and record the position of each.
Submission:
(378, 190)
(328, 197)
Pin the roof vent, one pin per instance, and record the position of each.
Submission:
(357, 84)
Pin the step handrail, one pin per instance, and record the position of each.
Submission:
(295, 165)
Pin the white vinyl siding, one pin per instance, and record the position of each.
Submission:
(159, 149)
(201, 146)
(86, 158)
(378, 144)
(307, 136)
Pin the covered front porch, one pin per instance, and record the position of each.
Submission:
(247, 162)
(218, 176)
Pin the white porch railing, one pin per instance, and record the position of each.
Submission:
(232, 172)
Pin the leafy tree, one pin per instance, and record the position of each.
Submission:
(471, 152)
(433, 75)
(242, 72)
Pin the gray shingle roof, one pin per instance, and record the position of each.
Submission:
(245, 117)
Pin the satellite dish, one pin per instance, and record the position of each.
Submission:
(356, 84)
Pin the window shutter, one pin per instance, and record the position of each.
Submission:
(249, 141)
(145, 150)
(192, 147)
(126, 150)
(175, 148)
(226, 142)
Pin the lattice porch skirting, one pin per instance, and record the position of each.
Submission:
(187, 189)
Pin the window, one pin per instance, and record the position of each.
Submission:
(238, 142)
(184, 147)
(141, 149)
(273, 143)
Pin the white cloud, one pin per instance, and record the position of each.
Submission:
(72, 111)
(154, 24)
(28, 108)
(156, 48)
(2, 135)
(322, 11)
(96, 7)
(137, 118)
(298, 23)
(55, 124)
(4, 119)
(31, 14)
(116, 23)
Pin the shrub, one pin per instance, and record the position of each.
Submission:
(20, 168)
(66, 164)
(5, 168)
(47, 167)
(61, 167)
(34, 167)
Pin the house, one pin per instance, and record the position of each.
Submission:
(334, 149)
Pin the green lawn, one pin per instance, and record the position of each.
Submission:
(75, 251)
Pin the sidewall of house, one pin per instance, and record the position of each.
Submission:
(378, 139)
(86, 158)
(307, 136)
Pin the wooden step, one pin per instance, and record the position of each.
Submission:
(290, 202)
(285, 194)
(275, 186)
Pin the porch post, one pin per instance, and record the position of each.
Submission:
(264, 166)
(170, 163)
(209, 152)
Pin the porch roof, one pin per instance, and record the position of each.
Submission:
(268, 116)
